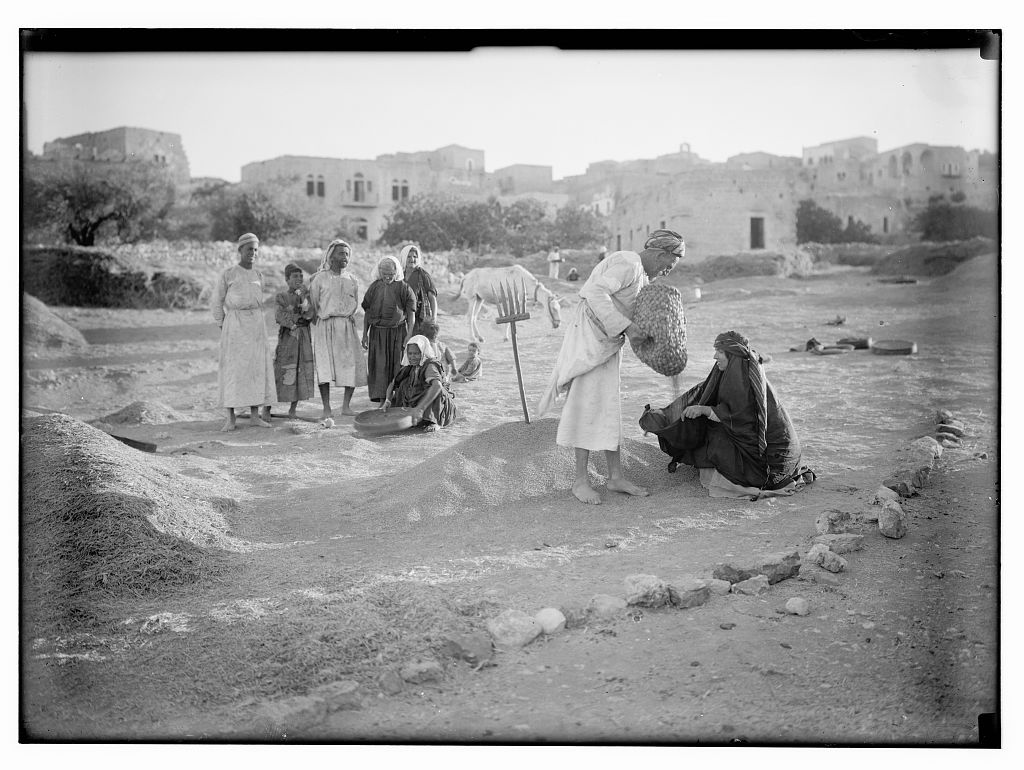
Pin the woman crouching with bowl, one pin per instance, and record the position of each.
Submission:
(420, 385)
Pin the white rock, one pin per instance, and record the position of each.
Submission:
(814, 555)
(833, 562)
(513, 628)
(882, 494)
(647, 591)
(929, 445)
(798, 606)
(691, 592)
(551, 620)
(892, 521)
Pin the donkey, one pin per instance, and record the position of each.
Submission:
(479, 286)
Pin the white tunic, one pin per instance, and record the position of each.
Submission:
(246, 375)
(588, 362)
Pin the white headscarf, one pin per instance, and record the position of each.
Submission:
(426, 349)
(399, 273)
(405, 252)
(325, 263)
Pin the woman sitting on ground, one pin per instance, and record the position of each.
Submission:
(733, 428)
(420, 385)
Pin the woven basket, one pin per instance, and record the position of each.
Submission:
(659, 312)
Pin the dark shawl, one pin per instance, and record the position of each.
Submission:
(754, 445)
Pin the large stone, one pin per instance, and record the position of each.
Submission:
(647, 591)
(605, 607)
(474, 648)
(953, 427)
(943, 415)
(718, 587)
(927, 445)
(814, 554)
(892, 521)
(551, 620)
(820, 576)
(421, 672)
(833, 521)
(798, 606)
(842, 543)
(949, 441)
(514, 628)
(902, 487)
(884, 493)
(690, 592)
(754, 586)
(343, 695)
(575, 615)
(833, 562)
(775, 566)
(391, 682)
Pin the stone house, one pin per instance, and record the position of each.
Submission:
(119, 145)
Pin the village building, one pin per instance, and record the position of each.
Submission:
(123, 144)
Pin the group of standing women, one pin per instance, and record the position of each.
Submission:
(317, 338)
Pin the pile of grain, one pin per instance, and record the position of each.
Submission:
(41, 327)
(144, 413)
(99, 517)
(854, 254)
(933, 259)
(753, 263)
(509, 462)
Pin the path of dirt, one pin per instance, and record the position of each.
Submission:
(894, 653)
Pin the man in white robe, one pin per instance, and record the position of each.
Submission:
(588, 362)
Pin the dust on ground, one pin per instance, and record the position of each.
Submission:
(476, 518)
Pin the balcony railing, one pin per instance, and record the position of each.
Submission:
(366, 199)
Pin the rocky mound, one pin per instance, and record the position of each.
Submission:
(41, 327)
(753, 263)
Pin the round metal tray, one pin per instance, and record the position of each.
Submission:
(894, 348)
(396, 418)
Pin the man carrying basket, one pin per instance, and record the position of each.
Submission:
(587, 367)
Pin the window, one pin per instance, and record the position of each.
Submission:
(885, 224)
(405, 189)
(663, 224)
(394, 189)
(906, 161)
(618, 242)
(369, 185)
(320, 186)
(358, 189)
(309, 185)
(757, 232)
(469, 165)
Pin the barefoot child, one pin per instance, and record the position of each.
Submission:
(293, 361)
(334, 295)
(430, 329)
(472, 367)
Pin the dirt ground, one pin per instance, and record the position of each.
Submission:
(901, 650)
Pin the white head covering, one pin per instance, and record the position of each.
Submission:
(246, 239)
(426, 349)
(405, 252)
(325, 263)
(399, 273)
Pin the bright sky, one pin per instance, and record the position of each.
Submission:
(538, 105)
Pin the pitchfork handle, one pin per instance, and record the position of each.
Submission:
(519, 374)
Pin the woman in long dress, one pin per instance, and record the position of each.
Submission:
(390, 309)
(422, 385)
(246, 371)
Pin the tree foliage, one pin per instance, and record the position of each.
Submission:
(815, 224)
(444, 222)
(82, 202)
(945, 220)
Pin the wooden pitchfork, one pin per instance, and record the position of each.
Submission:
(511, 308)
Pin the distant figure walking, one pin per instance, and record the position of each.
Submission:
(246, 372)
(554, 260)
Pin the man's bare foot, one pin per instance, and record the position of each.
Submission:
(259, 423)
(291, 414)
(228, 426)
(265, 414)
(326, 413)
(347, 411)
(627, 487)
(585, 493)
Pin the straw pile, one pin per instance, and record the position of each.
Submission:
(43, 328)
(144, 413)
(659, 312)
(100, 518)
(931, 259)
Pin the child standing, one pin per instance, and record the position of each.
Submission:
(293, 360)
(472, 367)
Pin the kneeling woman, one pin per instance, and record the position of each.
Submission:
(420, 384)
(733, 428)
